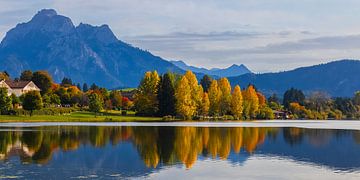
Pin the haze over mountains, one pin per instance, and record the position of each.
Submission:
(233, 70)
(93, 54)
(84, 53)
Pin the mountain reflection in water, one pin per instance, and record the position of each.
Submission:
(135, 151)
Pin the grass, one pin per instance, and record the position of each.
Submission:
(111, 116)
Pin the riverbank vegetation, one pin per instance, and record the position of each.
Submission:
(167, 97)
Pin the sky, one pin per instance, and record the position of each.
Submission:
(266, 36)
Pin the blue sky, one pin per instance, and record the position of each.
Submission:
(265, 35)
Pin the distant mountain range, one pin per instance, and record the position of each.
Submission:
(234, 70)
(85, 53)
(338, 78)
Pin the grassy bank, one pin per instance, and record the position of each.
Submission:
(79, 117)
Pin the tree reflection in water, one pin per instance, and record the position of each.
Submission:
(155, 145)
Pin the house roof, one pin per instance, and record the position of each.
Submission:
(17, 84)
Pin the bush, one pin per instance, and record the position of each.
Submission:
(44, 111)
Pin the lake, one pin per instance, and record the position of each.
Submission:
(178, 152)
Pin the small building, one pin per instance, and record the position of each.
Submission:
(281, 114)
(18, 87)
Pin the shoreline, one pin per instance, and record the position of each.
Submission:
(309, 124)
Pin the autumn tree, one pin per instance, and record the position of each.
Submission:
(206, 82)
(146, 102)
(26, 75)
(32, 101)
(237, 102)
(262, 99)
(185, 105)
(251, 102)
(43, 80)
(166, 95)
(116, 98)
(205, 104)
(214, 97)
(225, 98)
(5, 101)
(4, 76)
(195, 88)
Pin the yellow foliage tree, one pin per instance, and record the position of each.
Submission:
(214, 97)
(146, 97)
(262, 99)
(205, 104)
(185, 105)
(250, 102)
(237, 102)
(225, 99)
(195, 88)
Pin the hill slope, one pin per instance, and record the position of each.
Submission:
(86, 53)
(338, 78)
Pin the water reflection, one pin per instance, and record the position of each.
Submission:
(168, 146)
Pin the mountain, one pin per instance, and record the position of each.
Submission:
(234, 70)
(338, 78)
(85, 53)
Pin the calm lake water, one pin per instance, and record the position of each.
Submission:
(60, 152)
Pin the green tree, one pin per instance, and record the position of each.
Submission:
(66, 82)
(214, 97)
(43, 80)
(32, 101)
(293, 95)
(185, 106)
(5, 101)
(26, 75)
(95, 103)
(166, 95)
(237, 102)
(225, 98)
(206, 82)
(357, 98)
(14, 100)
(85, 87)
(146, 102)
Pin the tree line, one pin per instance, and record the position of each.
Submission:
(183, 96)
(65, 94)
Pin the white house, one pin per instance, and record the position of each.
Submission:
(18, 87)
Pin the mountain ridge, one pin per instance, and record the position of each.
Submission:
(86, 53)
(233, 70)
(337, 78)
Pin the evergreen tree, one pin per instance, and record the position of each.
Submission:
(166, 95)
(26, 75)
(206, 82)
(85, 87)
(293, 95)
(237, 102)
